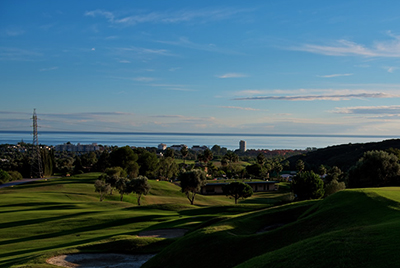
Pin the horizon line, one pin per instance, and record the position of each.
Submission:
(206, 134)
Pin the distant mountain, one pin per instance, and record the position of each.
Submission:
(343, 156)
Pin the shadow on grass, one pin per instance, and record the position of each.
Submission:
(78, 231)
(42, 220)
(130, 245)
(56, 182)
(221, 210)
(37, 207)
(52, 247)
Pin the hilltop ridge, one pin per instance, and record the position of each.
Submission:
(343, 156)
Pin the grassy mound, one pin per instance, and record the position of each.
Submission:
(353, 228)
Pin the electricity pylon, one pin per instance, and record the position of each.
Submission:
(36, 166)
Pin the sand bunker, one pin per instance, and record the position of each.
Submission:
(112, 260)
(104, 260)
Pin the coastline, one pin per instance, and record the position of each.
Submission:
(153, 139)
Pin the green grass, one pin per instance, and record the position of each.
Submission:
(45, 218)
(352, 228)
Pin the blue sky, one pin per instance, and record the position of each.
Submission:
(278, 67)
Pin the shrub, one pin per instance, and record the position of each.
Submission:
(375, 169)
(307, 185)
(15, 175)
(4, 176)
(333, 187)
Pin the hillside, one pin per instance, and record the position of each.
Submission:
(63, 215)
(343, 156)
(353, 228)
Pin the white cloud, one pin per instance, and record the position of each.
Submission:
(108, 15)
(167, 17)
(14, 32)
(240, 108)
(175, 87)
(185, 42)
(333, 75)
(387, 48)
(48, 69)
(16, 54)
(143, 79)
(140, 51)
(231, 75)
(386, 110)
(335, 97)
(390, 69)
(137, 79)
(185, 119)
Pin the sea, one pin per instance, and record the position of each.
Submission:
(227, 140)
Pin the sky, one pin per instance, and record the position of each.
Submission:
(273, 67)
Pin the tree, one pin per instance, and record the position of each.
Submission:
(261, 158)
(191, 183)
(230, 157)
(89, 161)
(278, 168)
(300, 165)
(78, 167)
(307, 185)
(184, 152)
(255, 170)
(47, 161)
(207, 156)
(122, 157)
(237, 190)
(148, 163)
(333, 187)
(216, 149)
(167, 168)
(112, 176)
(102, 187)
(140, 186)
(132, 169)
(122, 186)
(375, 169)
(4, 176)
(322, 170)
(169, 153)
(334, 173)
(104, 161)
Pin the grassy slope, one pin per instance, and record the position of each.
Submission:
(353, 228)
(44, 218)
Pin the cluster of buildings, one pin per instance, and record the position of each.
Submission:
(195, 148)
(69, 147)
